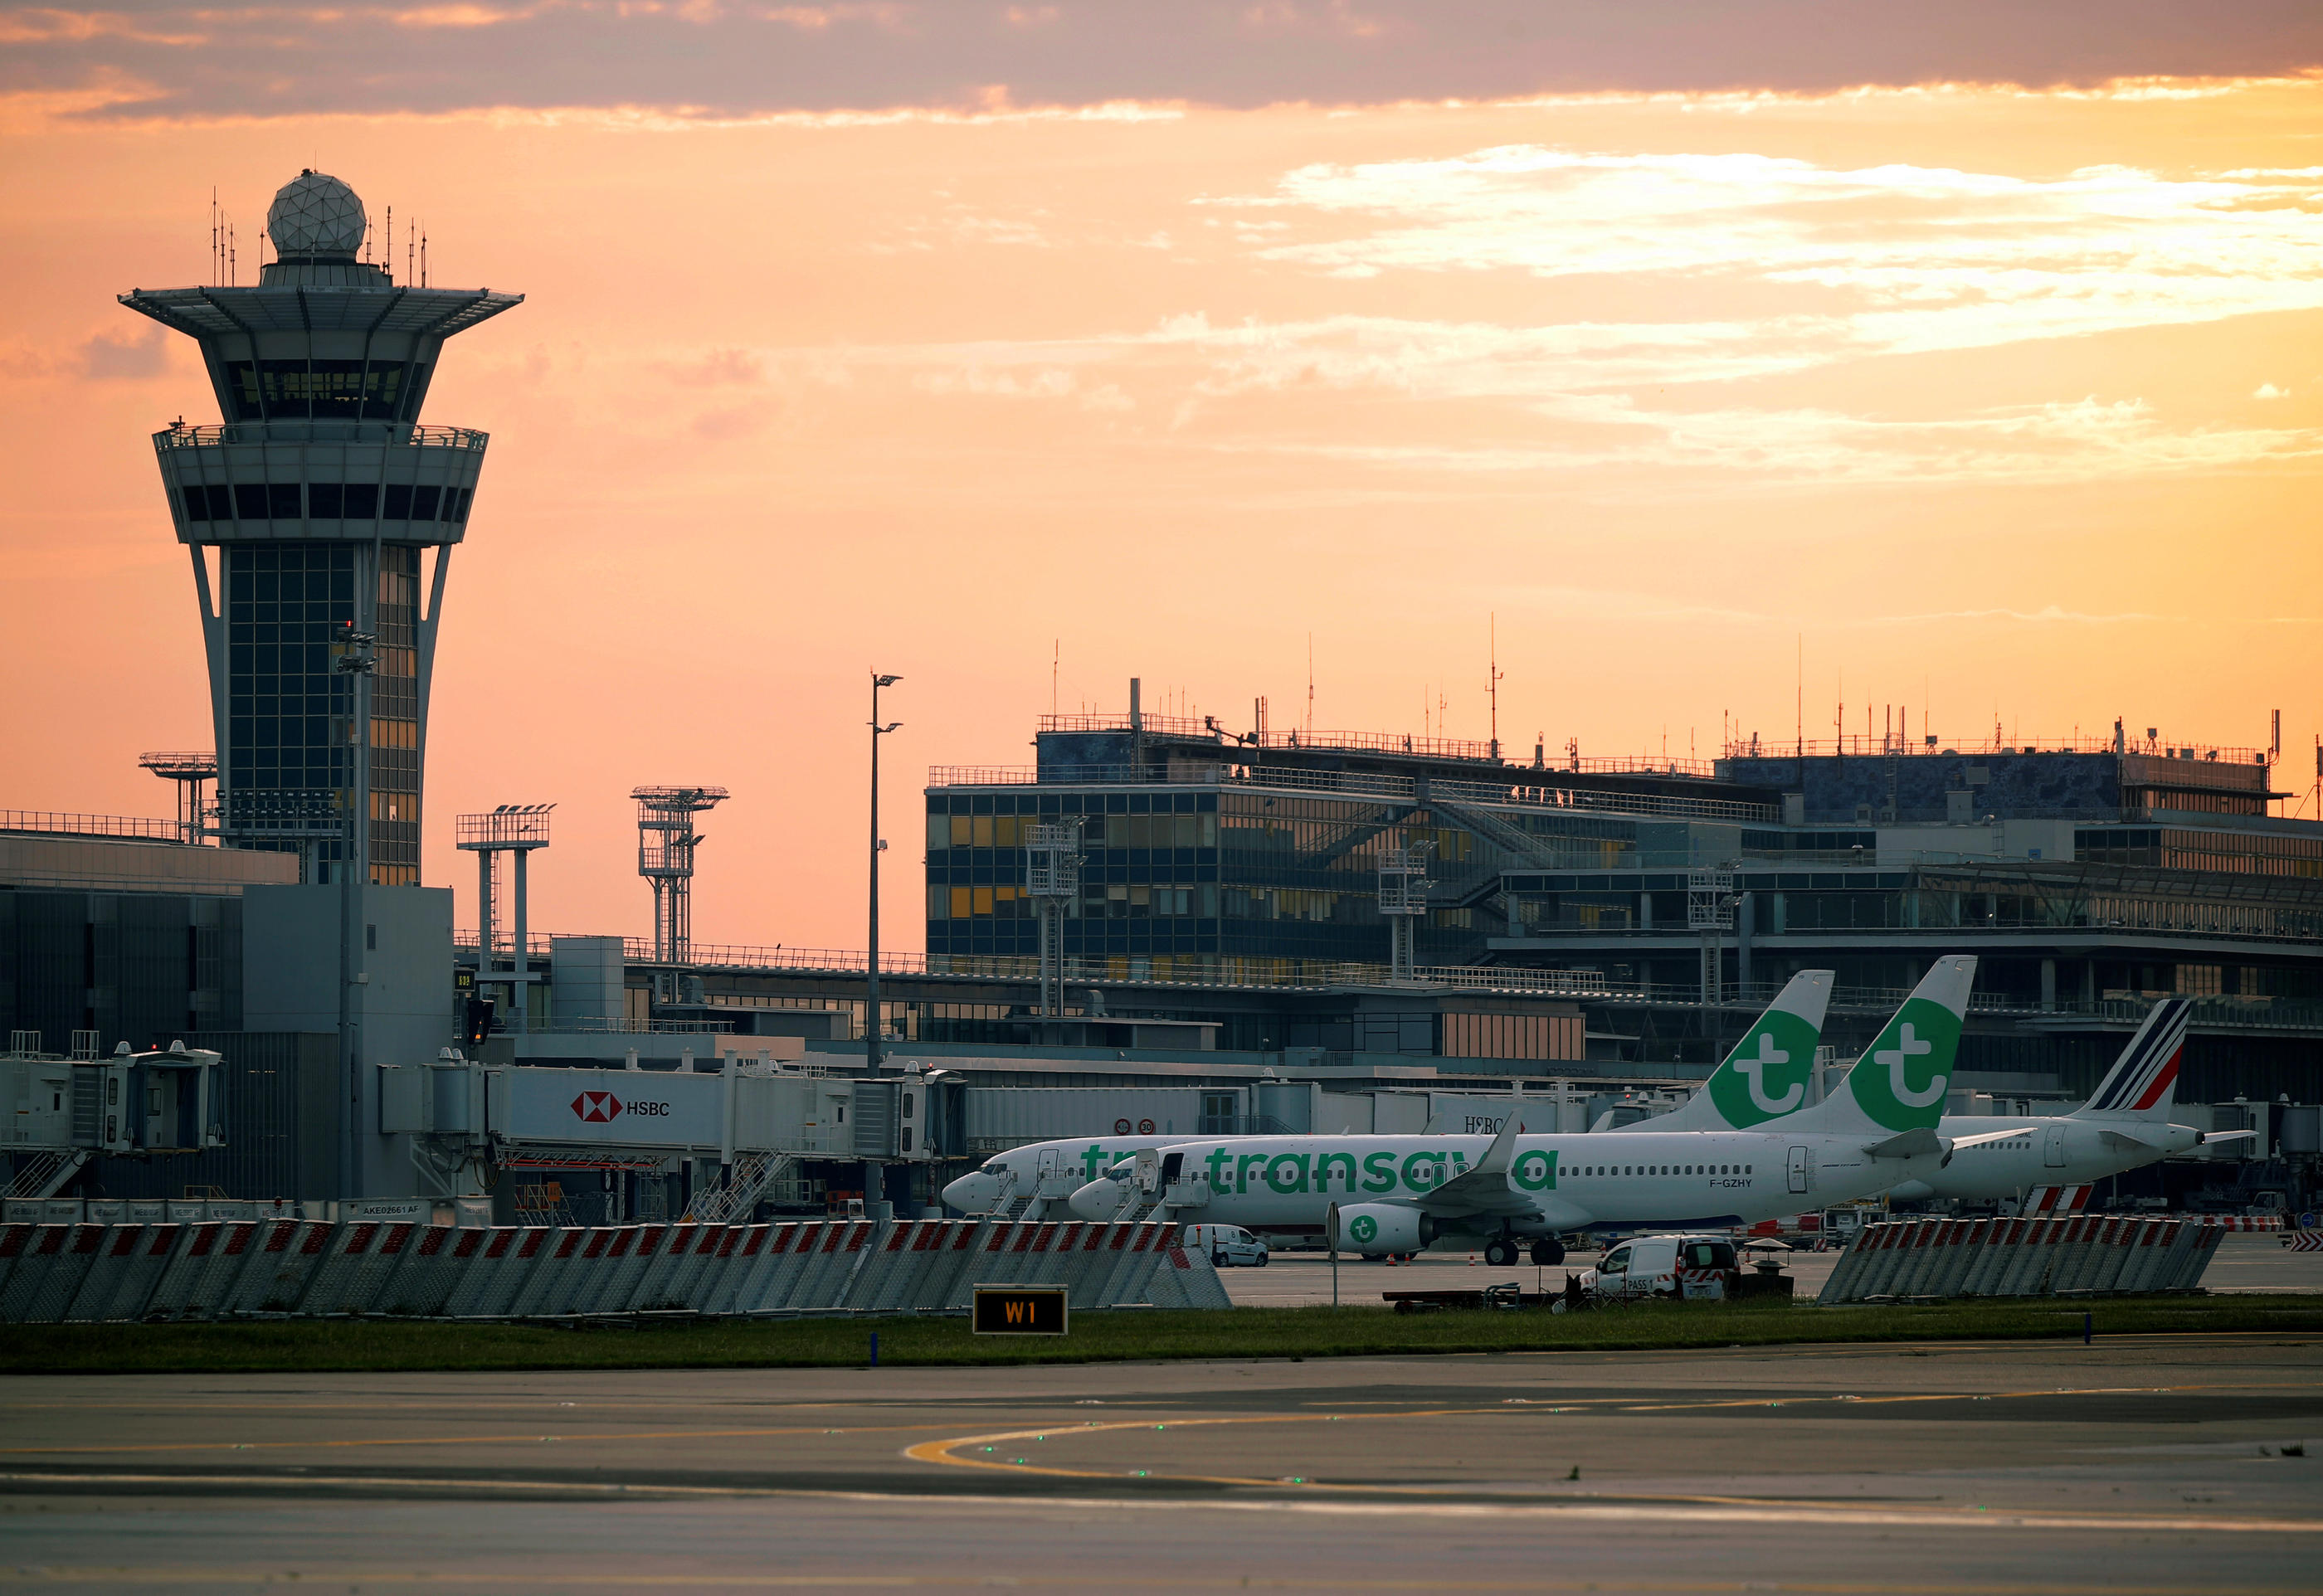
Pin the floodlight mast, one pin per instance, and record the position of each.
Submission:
(1403, 886)
(189, 772)
(874, 1021)
(1052, 880)
(514, 828)
(1710, 904)
(667, 839)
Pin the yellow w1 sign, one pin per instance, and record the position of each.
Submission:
(1020, 1310)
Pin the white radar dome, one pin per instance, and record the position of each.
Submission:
(315, 214)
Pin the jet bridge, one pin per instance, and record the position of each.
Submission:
(63, 1111)
(754, 1117)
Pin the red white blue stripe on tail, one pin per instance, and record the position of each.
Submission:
(2144, 1079)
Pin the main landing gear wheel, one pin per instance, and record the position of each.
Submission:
(1548, 1251)
(1500, 1253)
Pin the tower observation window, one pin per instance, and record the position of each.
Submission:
(321, 389)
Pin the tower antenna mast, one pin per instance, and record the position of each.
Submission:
(1492, 681)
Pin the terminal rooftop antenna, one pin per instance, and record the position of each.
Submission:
(1492, 682)
(517, 829)
(191, 772)
(666, 843)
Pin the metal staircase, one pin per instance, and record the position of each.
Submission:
(43, 1174)
(747, 1179)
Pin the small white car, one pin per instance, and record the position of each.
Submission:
(1659, 1266)
(1227, 1245)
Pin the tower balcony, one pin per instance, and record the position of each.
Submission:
(320, 481)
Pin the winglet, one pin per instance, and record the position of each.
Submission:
(1502, 1152)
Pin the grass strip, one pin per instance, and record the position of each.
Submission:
(387, 1344)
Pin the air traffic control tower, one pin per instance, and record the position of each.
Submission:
(321, 492)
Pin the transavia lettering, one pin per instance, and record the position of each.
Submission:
(1287, 1173)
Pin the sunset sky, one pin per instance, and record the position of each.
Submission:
(1980, 360)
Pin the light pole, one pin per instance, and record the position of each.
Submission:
(353, 657)
(873, 1026)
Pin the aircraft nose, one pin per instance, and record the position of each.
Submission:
(972, 1193)
(1099, 1199)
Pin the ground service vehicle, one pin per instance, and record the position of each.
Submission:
(1663, 1266)
(1226, 1245)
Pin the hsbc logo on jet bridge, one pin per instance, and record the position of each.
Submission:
(604, 1107)
(665, 1109)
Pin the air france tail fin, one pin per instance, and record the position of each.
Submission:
(1899, 1085)
(2143, 1083)
(1766, 1075)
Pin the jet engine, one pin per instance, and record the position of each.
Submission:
(1378, 1228)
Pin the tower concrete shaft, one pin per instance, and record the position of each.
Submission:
(321, 493)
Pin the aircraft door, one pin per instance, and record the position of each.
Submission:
(1798, 1169)
(2052, 1147)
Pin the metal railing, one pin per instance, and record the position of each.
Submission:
(399, 434)
(53, 823)
(1527, 788)
(1376, 742)
(1879, 746)
(1231, 971)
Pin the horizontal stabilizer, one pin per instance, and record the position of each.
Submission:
(2123, 1141)
(1982, 1137)
(2209, 1137)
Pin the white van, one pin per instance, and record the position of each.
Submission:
(1657, 1265)
(1226, 1245)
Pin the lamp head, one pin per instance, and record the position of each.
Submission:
(884, 681)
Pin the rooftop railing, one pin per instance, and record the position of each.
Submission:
(1227, 971)
(1882, 746)
(1526, 787)
(403, 435)
(53, 823)
(1377, 742)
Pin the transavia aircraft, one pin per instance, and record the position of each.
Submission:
(1787, 1032)
(1047, 1168)
(1379, 1195)
(2123, 1126)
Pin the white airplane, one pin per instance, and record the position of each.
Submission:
(1790, 1027)
(1382, 1195)
(2123, 1126)
(1062, 1166)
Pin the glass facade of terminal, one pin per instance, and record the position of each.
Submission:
(1177, 880)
